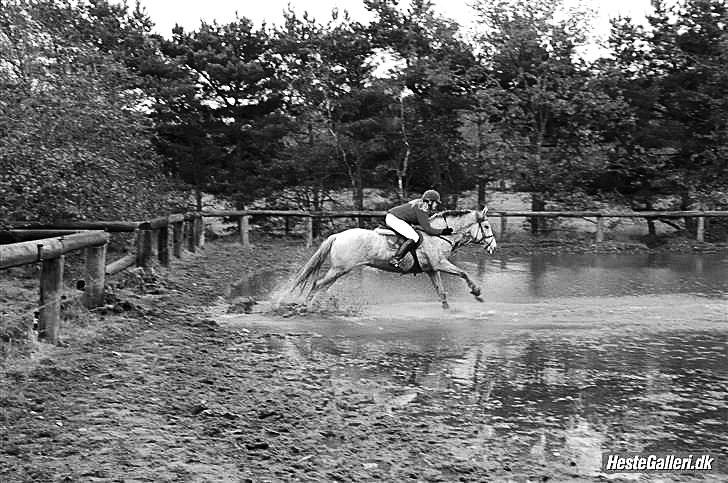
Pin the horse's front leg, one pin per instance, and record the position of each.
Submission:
(436, 279)
(449, 267)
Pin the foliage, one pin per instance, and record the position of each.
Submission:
(221, 123)
(430, 85)
(326, 69)
(98, 114)
(548, 112)
(674, 76)
(73, 143)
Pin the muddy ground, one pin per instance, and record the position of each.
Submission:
(159, 391)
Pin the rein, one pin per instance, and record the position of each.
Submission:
(480, 229)
(446, 226)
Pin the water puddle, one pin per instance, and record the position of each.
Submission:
(258, 286)
(567, 357)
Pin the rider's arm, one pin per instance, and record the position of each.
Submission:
(424, 221)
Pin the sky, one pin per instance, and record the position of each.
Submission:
(188, 13)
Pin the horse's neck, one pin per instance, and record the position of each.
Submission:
(454, 222)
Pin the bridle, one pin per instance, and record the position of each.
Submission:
(481, 231)
(490, 237)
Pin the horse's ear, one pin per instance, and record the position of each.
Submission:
(484, 212)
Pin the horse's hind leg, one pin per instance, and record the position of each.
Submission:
(331, 276)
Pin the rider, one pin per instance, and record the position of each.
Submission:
(400, 219)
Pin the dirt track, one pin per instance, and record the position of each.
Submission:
(163, 393)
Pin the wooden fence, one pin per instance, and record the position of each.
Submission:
(48, 243)
(243, 218)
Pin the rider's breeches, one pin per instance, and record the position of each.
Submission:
(401, 227)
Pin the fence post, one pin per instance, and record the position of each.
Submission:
(177, 238)
(309, 231)
(190, 235)
(154, 246)
(600, 229)
(503, 227)
(195, 242)
(200, 222)
(163, 245)
(95, 276)
(51, 289)
(700, 235)
(244, 226)
(144, 247)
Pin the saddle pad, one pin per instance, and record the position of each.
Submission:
(380, 230)
(386, 231)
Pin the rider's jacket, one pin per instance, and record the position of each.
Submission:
(413, 213)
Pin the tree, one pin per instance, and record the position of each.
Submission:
(550, 106)
(328, 72)
(429, 84)
(674, 76)
(224, 132)
(485, 154)
(73, 142)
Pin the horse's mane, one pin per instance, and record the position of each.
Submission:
(451, 213)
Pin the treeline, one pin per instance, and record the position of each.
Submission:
(99, 113)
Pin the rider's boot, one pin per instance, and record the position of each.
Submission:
(401, 252)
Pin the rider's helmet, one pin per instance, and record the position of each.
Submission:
(431, 195)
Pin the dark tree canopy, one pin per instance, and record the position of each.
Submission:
(110, 112)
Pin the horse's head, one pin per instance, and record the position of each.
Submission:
(473, 225)
(481, 232)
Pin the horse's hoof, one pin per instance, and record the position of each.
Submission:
(445, 305)
(478, 298)
(476, 292)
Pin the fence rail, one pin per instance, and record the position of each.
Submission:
(244, 227)
(110, 226)
(48, 243)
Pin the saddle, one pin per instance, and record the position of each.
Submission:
(394, 240)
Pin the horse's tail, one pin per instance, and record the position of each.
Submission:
(305, 278)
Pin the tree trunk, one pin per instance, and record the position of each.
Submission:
(651, 230)
(402, 171)
(198, 198)
(400, 186)
(453, 201)
(316, 207)
(482, 182)
(691, 224)
(437, 175)
(358, 188)
(537, 204)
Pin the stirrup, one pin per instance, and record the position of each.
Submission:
(395, 262)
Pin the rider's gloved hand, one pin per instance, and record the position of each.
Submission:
(446, 231)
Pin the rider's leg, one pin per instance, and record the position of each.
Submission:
(406, 246)
(404, 229)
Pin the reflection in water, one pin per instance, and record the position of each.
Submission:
(568, 357)
(571, 397)
(602, 275)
